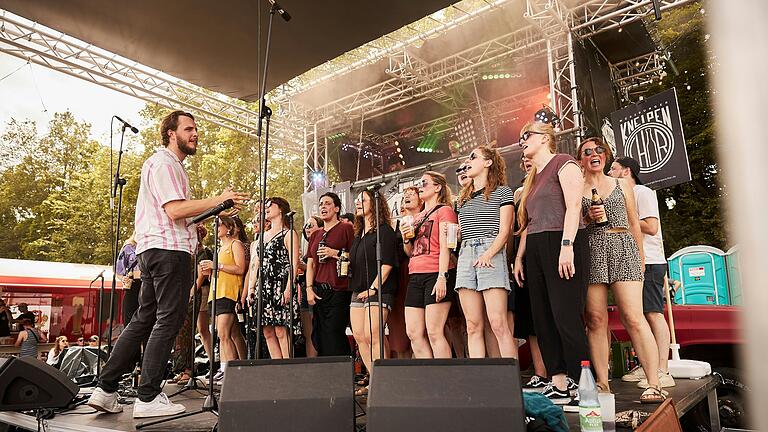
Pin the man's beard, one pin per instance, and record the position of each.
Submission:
(186, 147)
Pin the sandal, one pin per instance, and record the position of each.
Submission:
(653, 395)
(362, 391)
(183, 378)
(363, 381)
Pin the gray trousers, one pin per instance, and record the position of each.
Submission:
(166, 278)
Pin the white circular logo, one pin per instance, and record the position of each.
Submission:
(651, 145)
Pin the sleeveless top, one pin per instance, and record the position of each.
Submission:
(29, 346)
(228, 285)
(615, 209)
(276, 263)
(545, 203)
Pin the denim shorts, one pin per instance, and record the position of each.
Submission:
(481, 278)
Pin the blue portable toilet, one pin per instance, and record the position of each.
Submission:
(702, 273)
(733, 265)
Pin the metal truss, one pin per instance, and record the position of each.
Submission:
(46, 47)
(596, 16)
(637, 72)
(415, 83)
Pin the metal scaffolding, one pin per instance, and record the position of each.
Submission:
(46, 47)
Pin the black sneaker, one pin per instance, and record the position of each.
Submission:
(573, 405)
(557, 397)
(571, 386)
(535, 384)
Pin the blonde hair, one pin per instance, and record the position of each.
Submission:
(497, 174)
(543, 129)
(445, 196)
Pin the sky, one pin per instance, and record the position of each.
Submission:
(37, 93)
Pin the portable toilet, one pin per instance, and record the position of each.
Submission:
(702, 273)
(733, 265)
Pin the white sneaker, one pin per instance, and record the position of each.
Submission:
(665, 381)
(160, 406)
(634, 375)
(104, 402)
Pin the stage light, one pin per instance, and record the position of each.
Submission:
(398, 149)
(621, 29)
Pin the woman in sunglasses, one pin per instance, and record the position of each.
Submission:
(616, 263)
(432, 271)
(485, 217)
(367, 295)
(555, 252)
(326, 290)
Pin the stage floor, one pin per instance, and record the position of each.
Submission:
(686, 395)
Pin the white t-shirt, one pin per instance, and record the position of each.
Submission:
(648, 206)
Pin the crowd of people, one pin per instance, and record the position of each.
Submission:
(465, 274)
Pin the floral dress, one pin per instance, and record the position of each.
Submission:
(276, 274)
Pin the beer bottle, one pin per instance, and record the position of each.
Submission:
(343, 264)
(320, 245)
(598, 201)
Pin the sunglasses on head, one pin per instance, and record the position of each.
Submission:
(596, 150)
(527, 134)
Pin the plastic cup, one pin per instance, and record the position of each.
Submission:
(407, 220)
(452, 235)
(608, 410)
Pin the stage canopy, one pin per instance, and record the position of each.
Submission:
(214, 44)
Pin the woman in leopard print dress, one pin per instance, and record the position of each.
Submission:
(616, 262)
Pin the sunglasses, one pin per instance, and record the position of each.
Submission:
(423, 183)
(596, 150)
(527, 134)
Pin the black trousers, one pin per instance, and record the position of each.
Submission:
(557, 304)
(329, 324)
(166, 278)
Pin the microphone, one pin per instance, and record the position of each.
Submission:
(290, 214)
(213, 212)
(279, 9)
(100, 276)
(127, 125)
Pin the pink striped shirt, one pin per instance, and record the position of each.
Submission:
(163, 179)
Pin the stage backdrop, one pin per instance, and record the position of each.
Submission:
(651, 132)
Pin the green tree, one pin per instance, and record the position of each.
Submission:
(697, 208)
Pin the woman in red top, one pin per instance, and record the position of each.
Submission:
(432, 271)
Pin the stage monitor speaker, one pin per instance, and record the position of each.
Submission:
(446, 395)
(307, 394)
(28, 383)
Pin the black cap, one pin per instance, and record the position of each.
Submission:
(633, 165)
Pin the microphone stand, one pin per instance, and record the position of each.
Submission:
(265, 113)
(192, 382)
(291, 284)
(210, 404)
(117, 189)
(378, 268)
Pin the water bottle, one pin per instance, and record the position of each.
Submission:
(589, 405)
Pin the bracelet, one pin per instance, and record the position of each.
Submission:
(221, 266)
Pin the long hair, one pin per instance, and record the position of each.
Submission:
(549, 131)
(445, 196)
(384, 214)
(284, 207)
(241, 234)
(497, 174)
(229, 223)
(57, 347)
(319, 222)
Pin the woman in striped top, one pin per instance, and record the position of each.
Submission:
(28, 339)
(485, 217)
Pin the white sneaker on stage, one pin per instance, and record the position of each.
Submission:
(104, 402)
(160, 406)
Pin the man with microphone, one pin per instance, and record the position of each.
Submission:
(165, 244)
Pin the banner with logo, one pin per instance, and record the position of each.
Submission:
(651, 132)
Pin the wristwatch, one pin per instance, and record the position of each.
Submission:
(566, 242)
(443, 275)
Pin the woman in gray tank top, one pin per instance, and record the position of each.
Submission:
(28, 339)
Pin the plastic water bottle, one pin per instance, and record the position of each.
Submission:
(589, 405)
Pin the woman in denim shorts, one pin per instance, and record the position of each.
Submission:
(482, 278)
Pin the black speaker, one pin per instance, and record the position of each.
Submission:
(28, 383)
(446, 395)
(308, 394)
